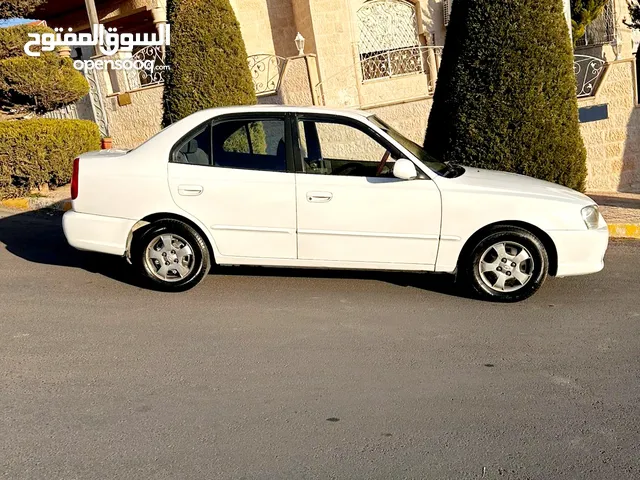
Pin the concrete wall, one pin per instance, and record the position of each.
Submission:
(267, 26)
(253, 16)
(613, 145)
(295, 85)
(409, 118)
(130, 125)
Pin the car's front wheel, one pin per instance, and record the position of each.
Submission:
(171, 256)
(508, 264)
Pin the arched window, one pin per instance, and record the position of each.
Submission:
(389, 43)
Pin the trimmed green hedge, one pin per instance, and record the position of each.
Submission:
(18, 8)
(207, 59)
(506, 92)
(36, 84)
(13, 39)
(41, 151)
(41, 83)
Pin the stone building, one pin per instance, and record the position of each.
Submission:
(377, 55)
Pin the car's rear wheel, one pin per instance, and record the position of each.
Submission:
(171, 256)
(508, 264)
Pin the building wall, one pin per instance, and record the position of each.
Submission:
(409, 118)
(304, 23)
(613, 145)
(255, 24)
(131, 125)
(268, 26)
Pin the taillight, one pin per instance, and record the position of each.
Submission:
(74, 179)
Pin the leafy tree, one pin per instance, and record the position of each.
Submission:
(207, 59)
(506, 94)
(18, 8)
(583, 13)
(35, 84)
(634, 12)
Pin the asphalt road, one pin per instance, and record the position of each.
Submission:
(263, 373)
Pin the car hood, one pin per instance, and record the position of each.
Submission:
(511, 184)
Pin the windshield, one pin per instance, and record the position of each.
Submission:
(417, 151)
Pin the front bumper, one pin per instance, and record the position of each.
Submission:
(97, 233)
(580, 252)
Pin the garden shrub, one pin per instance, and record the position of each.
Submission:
(41, 84)
(13, 39)
(35, 84)
(41, 151)
(506, 92)
(18, 8)
(207, 59)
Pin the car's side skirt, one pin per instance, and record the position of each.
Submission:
(280, 262)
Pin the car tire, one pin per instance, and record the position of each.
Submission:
(508, 264)
(171, 256)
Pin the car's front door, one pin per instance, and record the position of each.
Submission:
(236, 176)
(351, 208)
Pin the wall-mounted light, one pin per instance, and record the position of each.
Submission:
(617, 46)
(300, 44)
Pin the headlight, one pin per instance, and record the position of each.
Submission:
(591, 217)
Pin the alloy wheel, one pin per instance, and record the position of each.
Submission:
(506, 267)
(169, 258)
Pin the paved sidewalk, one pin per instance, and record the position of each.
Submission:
(621, 211)
(58, 199)
(619, 207)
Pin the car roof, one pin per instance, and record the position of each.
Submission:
(287, 109)
(167, 137)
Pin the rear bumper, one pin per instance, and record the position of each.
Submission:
(580, 252)
(97, 233)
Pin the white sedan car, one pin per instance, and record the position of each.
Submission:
(319, 188)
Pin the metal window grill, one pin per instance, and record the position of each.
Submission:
(589, 71)
(446, 11)
(602, 30)
(147, 77)
(266, 72)
(389, 40)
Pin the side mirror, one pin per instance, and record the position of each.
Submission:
(405, 170)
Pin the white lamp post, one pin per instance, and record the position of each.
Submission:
(300, 44)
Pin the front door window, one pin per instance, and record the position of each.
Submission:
(330, 148)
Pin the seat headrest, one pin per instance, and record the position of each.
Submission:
(192, 146)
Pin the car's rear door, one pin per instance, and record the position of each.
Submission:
(235, 175)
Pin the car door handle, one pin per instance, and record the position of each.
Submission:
(190, 190)
(319, 197)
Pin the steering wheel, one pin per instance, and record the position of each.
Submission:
(383, 162)
(348, 169)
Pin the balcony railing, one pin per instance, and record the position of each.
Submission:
(342, 88)
(589, 71)
(266, 72)
(145, 77)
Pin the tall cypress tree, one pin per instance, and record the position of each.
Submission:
(634, 12)
(506, 93)
(207, 59)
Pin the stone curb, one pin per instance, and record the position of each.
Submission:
(36, 203)
(624, 230)
(616, 230)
